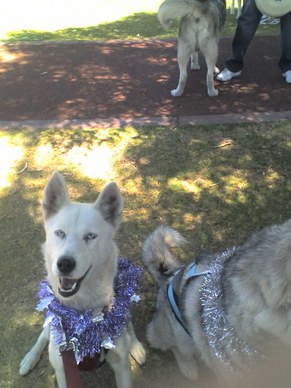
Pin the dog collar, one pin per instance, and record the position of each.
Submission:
(85, 333)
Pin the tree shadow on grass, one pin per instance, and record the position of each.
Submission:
(215, 185)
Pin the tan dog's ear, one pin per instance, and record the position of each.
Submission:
(55, 195)
(110, 204)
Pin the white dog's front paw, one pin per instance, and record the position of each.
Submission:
(138, 352)
(176, 93)
(27, 364)
(213, 93)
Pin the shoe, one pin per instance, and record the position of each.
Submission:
(287, 76)
(227, 75)
(274, 21)
(265, 19)
(269, 20)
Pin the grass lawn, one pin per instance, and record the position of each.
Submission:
(90, 20)
(215, 184)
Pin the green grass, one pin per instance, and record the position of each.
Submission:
(138, 25)
(215, 184)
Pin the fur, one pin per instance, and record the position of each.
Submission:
(256, 284)
(80, 245)
(199, 29)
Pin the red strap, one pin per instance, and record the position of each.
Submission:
(72, 374)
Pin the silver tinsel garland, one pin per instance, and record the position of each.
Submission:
(222, 338)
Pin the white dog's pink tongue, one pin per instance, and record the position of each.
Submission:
(67, 284)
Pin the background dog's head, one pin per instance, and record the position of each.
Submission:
(79, 247)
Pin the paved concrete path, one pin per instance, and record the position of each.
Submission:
(129, 83)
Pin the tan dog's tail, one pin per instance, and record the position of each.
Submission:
(157, 255)
(171, 9)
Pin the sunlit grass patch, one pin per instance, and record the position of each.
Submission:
(10, 154)
(94, 20)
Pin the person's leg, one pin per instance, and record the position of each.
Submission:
(285, 60)
(246, 28)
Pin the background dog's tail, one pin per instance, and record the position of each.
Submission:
(171, 9)
(157, 255)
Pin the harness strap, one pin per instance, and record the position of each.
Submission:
(172, 297)
(67, 352)
(73, 379)
(175, 308)
(192, 272)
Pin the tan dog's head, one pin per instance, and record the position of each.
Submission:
(79, 245)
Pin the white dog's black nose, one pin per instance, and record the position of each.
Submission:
(66, 264)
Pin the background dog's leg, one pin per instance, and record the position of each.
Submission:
(210, 52)
(33, 356)
(195, 61)
(183, 59)
(136, 349)
(118, 359)
(239, 8)
(232, 7)
(187, 364)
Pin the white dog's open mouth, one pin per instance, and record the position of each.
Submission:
(69, 287)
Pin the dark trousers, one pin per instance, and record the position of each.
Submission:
(246, 28)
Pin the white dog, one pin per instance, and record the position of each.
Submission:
(82, 264)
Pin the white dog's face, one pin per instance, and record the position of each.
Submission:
(75, 237)
(79, 237)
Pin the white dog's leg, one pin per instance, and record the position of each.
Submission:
(195, 61)
(33, 356)
(136, 349)
(187, 364)
(183, 59)
(118, 359)
(122, 372)
(57, 363)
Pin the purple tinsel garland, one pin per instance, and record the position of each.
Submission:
(89, 334)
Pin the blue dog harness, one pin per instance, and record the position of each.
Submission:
(172, 297)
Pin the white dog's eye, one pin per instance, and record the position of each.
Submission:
(60, 233)
(90, 236)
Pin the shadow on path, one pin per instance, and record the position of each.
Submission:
(129, 80)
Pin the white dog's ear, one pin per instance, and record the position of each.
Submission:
(110, 204)
(55, 195)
